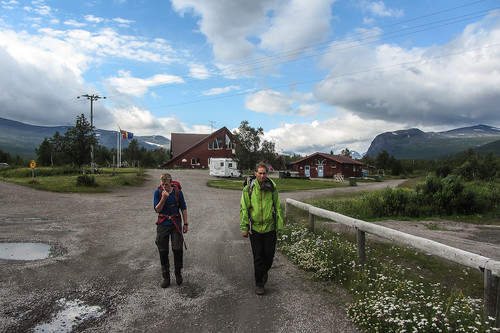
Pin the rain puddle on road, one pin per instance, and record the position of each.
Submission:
(25, 251)
(73, 313)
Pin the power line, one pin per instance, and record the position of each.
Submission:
(328, 78)
(291, 55)
(313, 49)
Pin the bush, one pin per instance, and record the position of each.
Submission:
(85, 180)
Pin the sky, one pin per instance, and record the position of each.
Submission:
(315, 75)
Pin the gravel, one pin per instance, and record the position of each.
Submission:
(105, 259)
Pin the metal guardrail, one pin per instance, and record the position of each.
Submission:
(490, 267)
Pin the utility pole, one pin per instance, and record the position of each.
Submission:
(92, 98)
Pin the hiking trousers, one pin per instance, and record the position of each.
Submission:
(263, 248)
(165, 234)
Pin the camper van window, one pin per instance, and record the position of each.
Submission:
(230, 165)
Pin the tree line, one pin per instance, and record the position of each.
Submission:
(75, 146)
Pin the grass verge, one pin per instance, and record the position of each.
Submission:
(70, 180)
(283, 185)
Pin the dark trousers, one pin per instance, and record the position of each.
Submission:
(263, 248)
(163, 235)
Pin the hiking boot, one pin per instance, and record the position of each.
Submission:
(178, 277)
(260, 290)
(166, 282)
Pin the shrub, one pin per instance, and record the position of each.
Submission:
(85, 180)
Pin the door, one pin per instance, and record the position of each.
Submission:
(307, 171)
(320, 171)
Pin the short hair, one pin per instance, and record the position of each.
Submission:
(166, 178)
(261, 165)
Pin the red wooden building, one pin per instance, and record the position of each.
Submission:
(320, 165)
(195, 150)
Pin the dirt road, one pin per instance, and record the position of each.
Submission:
(105, 274)
(107, 268)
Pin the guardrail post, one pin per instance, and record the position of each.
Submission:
(311, 222)
(491, 296)
(361, 246)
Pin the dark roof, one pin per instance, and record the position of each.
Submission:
(183, 141)
(202, 138)
(337, 158)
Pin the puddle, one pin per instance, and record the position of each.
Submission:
(73, 313)
(25, 251)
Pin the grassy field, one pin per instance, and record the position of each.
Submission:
(284, 185)
(65, 179)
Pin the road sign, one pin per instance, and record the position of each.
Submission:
(32, 164)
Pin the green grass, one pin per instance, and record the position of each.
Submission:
(283, 185)
(65, 179)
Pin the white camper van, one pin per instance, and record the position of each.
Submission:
(224, 167)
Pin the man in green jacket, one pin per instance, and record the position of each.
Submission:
(260, 215)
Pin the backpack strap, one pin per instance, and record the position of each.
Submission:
(251, 183)
(173, 217)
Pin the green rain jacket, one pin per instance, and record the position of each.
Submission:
(260, 207)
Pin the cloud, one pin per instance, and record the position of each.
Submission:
(274, 102)
(94, 19)
(450, 84)
(45, 72)
(244, 18)
(275, 23)
(344, 131)
(285, 31)
(42, 82)
(122, 22)
(199, 71)
(40, 9)
(378, 9)
(126, 84)
(270, 102)
(218, 91)
(142, 122)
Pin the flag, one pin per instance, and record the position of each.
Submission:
(126, 135)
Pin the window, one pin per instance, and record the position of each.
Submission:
(228, 142)
(216, 144)
(195, 161)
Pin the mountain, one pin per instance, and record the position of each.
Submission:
(356, 155)
(416, 144)
(21, 139)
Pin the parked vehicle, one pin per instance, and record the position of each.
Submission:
(3, 165)
(224, 167)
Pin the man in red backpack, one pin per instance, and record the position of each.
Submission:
(169, 204)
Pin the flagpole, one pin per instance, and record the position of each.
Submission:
(117, 146)
(121, 139)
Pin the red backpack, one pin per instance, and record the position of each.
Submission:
(176, 187)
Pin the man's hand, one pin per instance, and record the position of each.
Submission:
(185, 228)
(245, 234)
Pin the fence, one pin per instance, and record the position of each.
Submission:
(490, 267)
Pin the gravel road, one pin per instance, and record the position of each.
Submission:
(106, 267)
